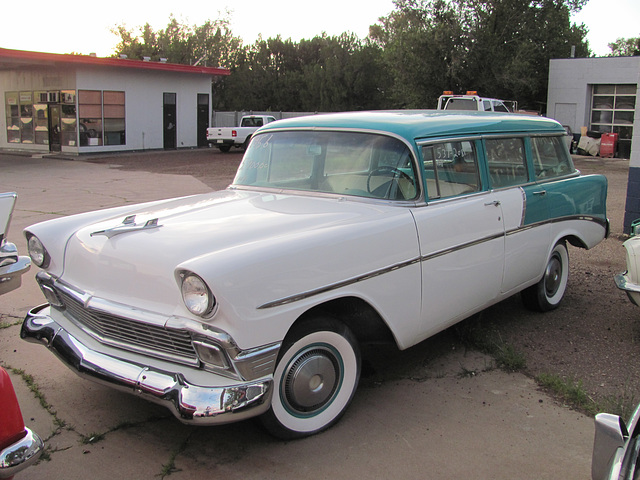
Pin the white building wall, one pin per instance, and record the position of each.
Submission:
(569, 102)
(570, 83)
(144, 104)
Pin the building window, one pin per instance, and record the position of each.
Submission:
(114, 127)
(102, 117)
(28, 116)
(612, 111)
(90, 117)
(12, 108)
(68, 118)
(41, 113)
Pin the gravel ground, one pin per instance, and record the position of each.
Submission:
(593, 339)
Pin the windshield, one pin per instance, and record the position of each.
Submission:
(345, 163)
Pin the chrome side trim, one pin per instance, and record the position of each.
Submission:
(424, 258)
(190, 403)
(301, 296)
(588, 218)
(524, 206)
(21, 454)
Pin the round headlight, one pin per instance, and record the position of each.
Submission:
(37, 252)
(196, 295)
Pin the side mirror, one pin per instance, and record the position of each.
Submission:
(610, 437)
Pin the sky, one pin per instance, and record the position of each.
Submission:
(81, 30)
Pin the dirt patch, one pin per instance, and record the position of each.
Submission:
(593, 338)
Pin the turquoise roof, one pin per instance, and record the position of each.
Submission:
(424, 124)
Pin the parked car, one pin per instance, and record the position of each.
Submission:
(471, 101)
(616, 445)
(226, 137)
(629, 281)
(12, 265)
(338, 230)
(19, 446)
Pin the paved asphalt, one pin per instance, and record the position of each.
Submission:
(451, 416)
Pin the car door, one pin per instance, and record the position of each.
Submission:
(526, 244)
(461, 236)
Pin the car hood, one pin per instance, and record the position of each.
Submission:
(132, 256)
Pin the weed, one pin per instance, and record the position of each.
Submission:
(571, 392)
(487, 340)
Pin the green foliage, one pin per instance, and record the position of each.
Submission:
(625, 47)
(500, 48)
(211, 44)
(570, 391)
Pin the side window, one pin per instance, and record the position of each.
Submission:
(451, 169)
(550, 158)
(506, 161)
(486, 105)
(499, 107)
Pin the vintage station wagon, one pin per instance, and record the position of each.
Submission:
(338, 230)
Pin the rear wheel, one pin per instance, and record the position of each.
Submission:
(224, 148)
(549, 291)
(315, 379)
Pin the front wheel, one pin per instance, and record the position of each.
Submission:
(549, 291)
(316, 377)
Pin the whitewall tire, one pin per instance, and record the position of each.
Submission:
(549, 291)
(315, 379)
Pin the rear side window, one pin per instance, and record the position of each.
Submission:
(506, 161)
(550, 157)
(451, 169)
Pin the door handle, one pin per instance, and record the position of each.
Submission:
(495, 203)
(540, 192)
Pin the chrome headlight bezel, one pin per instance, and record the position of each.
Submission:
(196, 295)
(37, 251)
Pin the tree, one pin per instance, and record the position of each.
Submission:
(321, 74)
(500, 48)
(211, 44)
(625, 47)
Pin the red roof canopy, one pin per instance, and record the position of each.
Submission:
(10, 59)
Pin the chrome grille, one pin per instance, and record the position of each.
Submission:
(129, 334)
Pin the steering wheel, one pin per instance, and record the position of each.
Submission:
(393, 173)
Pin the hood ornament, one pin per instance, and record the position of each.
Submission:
(128, 225)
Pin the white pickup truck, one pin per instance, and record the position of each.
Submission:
(471, 101)
(226, 137)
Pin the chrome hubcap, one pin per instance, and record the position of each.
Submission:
(553, 276)
(312, 379)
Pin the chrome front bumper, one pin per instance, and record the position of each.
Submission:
(633, 290)
(11, 273)
(21, 454)
(191, 404)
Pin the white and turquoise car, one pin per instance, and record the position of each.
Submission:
(338, 230)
